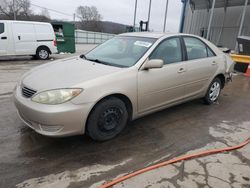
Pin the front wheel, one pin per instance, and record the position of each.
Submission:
(107, 119)
(213, 91)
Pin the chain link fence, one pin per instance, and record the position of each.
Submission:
(89, 37)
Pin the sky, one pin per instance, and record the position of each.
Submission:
(120, 11)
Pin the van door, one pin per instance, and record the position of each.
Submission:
(3, 39)
(24, 38)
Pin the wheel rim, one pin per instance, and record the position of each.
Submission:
(110, 119)
(214, 91)
(43, 54)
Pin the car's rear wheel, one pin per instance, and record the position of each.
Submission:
(213, 91)
(42, 53)
(107, 119)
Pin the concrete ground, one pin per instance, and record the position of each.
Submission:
(28, 159)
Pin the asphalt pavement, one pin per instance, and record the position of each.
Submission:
(28, 159)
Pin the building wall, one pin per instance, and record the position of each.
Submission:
(198, 21)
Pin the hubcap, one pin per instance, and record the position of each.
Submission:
(110, 119)
(43, 54)
(214, 91)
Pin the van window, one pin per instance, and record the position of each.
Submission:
(1, 28)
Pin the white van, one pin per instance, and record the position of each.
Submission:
(27, 38)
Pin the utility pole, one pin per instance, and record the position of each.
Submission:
(149, 11)
(135, 13)
(210, 20)
(243, 17)
(14, 9)
(165, 19)
(74, 20)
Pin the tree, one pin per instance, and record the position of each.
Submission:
(19, 7)
(45, 13)
(86, 13)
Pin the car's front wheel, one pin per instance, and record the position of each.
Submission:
(107, 119)
(213, 91)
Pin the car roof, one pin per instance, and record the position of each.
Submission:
(145, 34)
(156, 35)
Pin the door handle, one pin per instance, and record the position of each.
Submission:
(19, 37)
(3, 38)
(181, 70)
(214, 63)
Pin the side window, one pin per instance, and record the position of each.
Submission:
(1, 28)
(169, 51)
(196, 49)
(210, 53)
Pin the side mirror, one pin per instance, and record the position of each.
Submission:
(153, 64)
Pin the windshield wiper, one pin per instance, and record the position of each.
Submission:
(83, 56)
(99, 61)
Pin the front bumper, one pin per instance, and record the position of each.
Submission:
(52, 120)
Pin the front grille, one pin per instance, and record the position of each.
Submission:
(27, 92)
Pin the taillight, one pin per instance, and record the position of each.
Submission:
(54, 42)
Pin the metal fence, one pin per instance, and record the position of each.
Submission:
(89, 37)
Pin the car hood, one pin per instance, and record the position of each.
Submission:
(65, 74)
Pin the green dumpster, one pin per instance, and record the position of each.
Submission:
(65, 37)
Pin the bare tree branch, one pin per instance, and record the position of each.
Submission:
(22, 7)
(86, 13)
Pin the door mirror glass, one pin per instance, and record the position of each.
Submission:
(153, 64)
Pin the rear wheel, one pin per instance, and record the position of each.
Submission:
(107, 119)
(213, 91)
(42, 53)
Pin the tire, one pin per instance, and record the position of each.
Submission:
(42, 53)
(213, 91)
(107, 119)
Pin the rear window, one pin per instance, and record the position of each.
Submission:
(1, 28)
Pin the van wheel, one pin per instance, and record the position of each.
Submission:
(213, 91)
(107, 119)
(42, 53)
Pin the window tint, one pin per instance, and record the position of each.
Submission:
(169, 51)
(195, 48)
(1, 28)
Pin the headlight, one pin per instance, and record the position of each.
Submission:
(56, 96)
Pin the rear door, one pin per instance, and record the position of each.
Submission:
(202, 64)
(24, 38)
(3, 39)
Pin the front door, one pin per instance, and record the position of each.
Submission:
(159, 87)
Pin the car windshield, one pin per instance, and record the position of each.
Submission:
(120, 51)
